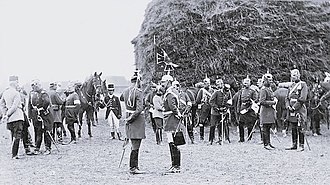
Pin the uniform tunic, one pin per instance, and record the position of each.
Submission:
(296, 98)
(56, 103)
(267, 111)
(171, 110)
(135, 126)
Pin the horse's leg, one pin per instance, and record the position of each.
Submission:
(90, 119)
(96, 118)
(81, 114)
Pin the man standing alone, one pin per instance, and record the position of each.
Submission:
(10, 104)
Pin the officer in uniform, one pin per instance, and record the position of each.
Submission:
(172, 118)
(219, 102)
(72, 105)
(246, 115)
(56, 103)
(113, 112)
(203, 96)
(12, 113)
(42, 118)
(297, 111)
(267, 111)
(135, 123)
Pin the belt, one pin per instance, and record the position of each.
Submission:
(130, 111)
(168, 112)
(70, 106)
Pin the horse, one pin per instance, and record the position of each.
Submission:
(88, 92)
(99, 100)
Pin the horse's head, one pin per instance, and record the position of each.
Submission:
(97, 83)
(93, 86)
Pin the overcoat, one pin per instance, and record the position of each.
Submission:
(267, 111)
(134, 106)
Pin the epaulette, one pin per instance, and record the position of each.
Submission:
(43, 92)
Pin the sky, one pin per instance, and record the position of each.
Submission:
(68, 39)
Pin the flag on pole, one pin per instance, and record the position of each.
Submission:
(162, 59)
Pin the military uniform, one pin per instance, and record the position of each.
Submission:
(11, 107)
(113, 112)
(135, 123)
(203, 96)
(219, 103)
(297, 111)
(185, 105)
(267, 113)
(42, 118)
(246, 115)
(56, 106)
(72, 105)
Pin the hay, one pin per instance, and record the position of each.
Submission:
(235, 38)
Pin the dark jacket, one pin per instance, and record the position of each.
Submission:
(112, 104)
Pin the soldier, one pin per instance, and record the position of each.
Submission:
(158, 103)
(149, 107)
(42, 118)
(113, 112)
(135, 123)
(72, 105)
(219, 103)
(297, 112)
(26, 136)
(56, 106)
(202, 99)
(185, 105)
(267, 111)
(172, 118)
(12, 113)
(246, 116)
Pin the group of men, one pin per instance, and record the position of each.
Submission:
(251, 105)
(171, 107)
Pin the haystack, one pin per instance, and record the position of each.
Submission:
(235, 38)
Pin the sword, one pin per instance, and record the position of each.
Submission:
(275, 135)
(126, 141)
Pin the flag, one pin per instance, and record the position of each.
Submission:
(161, 58)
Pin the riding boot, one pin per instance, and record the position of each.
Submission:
(201, 133)
(134, 162)
(161, 134)
(211, 136)
(241, 133)
(113, 135)
(157, 136)
(119, 136)
(294, 140)
(176, 159)
(15, 147)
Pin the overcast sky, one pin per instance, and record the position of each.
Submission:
(68, 39)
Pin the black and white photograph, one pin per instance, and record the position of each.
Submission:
(231, 92)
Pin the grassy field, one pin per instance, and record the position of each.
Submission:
(95, 161)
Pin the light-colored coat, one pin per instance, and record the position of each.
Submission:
(158, 103)
(11, 105)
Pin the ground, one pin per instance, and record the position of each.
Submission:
(95, 161)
